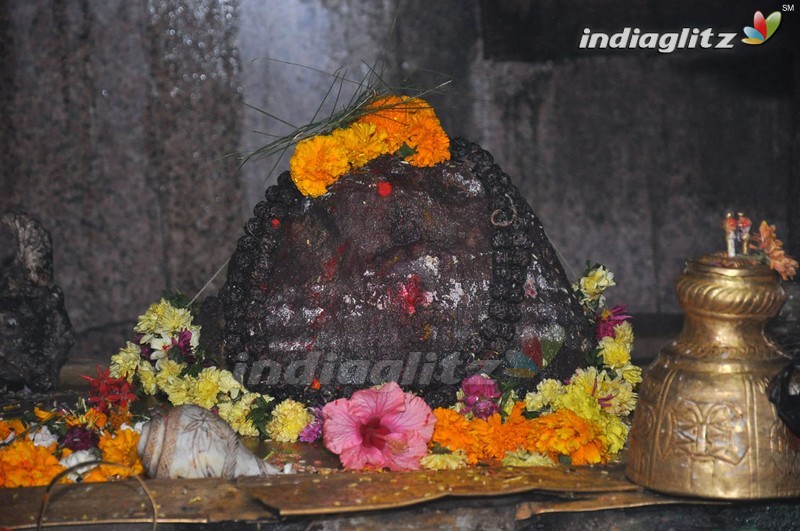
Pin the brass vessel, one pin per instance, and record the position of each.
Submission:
(704, 426)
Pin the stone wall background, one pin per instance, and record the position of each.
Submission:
(117, 119)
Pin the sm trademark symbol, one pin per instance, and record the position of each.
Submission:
(787, 7)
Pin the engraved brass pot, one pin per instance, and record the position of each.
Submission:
(704, 426)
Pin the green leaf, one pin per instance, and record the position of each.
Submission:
(261, 413)
(550, 347)
(192, 370)
(176, 298)
(406, 151)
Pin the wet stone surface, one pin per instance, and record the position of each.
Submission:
(443, 273)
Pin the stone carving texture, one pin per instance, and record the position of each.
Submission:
(453, 261)
(35, 331)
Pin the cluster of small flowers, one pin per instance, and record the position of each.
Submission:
(38, 451)
(408, 126)
(164, 360)
(580, 421)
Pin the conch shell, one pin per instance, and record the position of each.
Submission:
(191, 442)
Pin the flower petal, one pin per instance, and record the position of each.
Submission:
(340, 427)
(362, 456)
(377, 401)
(416, 417)
(404, 451)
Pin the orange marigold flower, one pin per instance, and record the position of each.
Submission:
(392, 115)
(118, 416)
(119, 449)
(317, 163)
(452, 431)
(23, 464)
(497, 437)
(93, 418)
(428, 139)
(363, 142)
(565, 433)
(8, 427)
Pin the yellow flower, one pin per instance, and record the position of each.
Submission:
(547, 392)
(23, 464)
(525, 458)
(205, 388)
(448, 461)
(578, 401)
(147, 377)
(167, 371)
(589, 380)
(288, 420)
(509, 403)
(164, 319)
(235, 413)
(623, 399)
(179, 391)
(228, 384)
(124, 363)
(630, 373)
(615, 351)
(317, 163)
(624, 334)
(595, 283)
(614, 433)
(363, 142)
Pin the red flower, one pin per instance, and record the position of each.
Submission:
(105, 391)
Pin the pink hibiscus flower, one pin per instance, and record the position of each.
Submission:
(382, 427)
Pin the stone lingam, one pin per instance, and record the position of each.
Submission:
(417, 275)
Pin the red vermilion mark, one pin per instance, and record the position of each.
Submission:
(533, 349)
(412, 294)
(315, 384)
(384, 188)
(329, 267)
(275, 223)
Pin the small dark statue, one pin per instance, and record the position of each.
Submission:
(35, 332)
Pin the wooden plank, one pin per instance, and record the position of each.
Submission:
(177, 501)
(367, 491)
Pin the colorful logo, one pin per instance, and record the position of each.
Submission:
(762, 28)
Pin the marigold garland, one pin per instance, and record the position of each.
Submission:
(395, 123)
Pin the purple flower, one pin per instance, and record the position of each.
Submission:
(607, 319)
(144, 349)
(480, 395)
(313, 430)
(80, 438)
(483, 409)
(183, 342)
